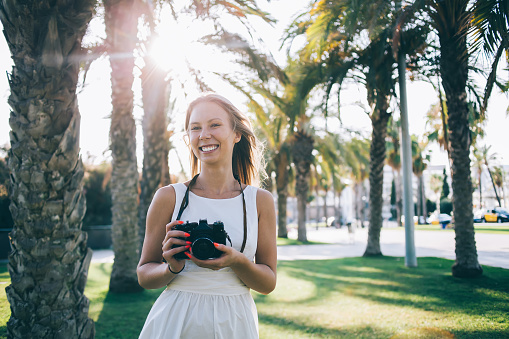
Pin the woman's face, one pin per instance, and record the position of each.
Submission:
(210, 133)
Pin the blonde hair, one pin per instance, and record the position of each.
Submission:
(247, 160)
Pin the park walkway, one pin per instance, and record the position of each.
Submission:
(493, 249)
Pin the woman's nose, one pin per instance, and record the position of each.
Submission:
(204, 134)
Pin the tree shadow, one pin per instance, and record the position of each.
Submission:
(386, 280)
(297, 327)
(123, 315)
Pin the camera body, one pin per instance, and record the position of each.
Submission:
(202, 238)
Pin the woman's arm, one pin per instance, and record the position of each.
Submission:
(152, 271)
(261, 274)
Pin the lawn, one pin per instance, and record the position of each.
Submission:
(287, 241)
(479, 228)
(340, 298)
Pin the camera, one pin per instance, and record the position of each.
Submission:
(202, 238)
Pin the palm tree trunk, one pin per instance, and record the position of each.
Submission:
(325, 213)
(50, 259)
(317, 207)
(454, 70)
(399, 197)
(376, 177)
(154, 96)
(494, 186)
(419, 199)
(358, 201)
(424, 200)
(302, 157)
(480, 189)
(281, 162)
(121, 29)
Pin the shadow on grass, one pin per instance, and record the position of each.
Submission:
(4, 273)
(124, 314)
(116, 315)
(428, 287)
(291, 326)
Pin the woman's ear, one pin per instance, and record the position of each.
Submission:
(238, 136)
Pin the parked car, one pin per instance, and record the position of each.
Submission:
(478, 216)
(497, 214)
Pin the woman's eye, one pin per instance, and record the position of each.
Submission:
(195, 128)
(215, 125)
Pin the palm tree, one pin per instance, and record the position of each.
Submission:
(50, 259)
(451, 20)
(331, 161)
(435, 183)
(488, 158)
(334, 32)
(478, 166)
(394, 160)
(498, 178)
(419, 165)
(155, 91)
(121, 20)
(358, 161)
(490, 26)
(155, 97)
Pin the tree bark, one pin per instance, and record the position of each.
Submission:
(50, 259)
(282, 163)
(121, 29)
(302, 158)
(454, 70)
(154, 89)
(399, 198)
(494, 186)
(376, 176)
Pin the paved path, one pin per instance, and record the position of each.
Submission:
(493, 249)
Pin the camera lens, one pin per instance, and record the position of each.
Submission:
(203, 248)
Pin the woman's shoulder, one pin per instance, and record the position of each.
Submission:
(263, 197)
(165, 194)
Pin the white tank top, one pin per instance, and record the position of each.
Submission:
(230, 211)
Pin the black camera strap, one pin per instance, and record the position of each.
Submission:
(185, 203)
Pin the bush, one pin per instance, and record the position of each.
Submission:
(431, 206)
(446, 206)
(98, 194)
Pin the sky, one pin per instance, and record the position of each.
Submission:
(94, 97)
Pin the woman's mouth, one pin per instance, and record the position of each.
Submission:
(209, 148)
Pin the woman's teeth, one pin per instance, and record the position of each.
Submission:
(209, 148)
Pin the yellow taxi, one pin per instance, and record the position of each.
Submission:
(497, 214)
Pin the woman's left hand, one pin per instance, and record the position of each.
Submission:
(229, 258)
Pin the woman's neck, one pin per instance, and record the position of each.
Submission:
(217, 181)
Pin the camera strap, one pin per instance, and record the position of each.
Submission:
(185, 203)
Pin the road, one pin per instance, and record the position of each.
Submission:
(492, 249)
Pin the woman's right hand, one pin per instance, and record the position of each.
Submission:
(171, 239)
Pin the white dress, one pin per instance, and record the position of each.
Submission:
(202, 303)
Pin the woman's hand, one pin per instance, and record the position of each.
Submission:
(230, 258)
(171, 239)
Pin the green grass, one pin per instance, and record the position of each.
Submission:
(492, 228)
(287, 241)
(340, 298)
(5, 310)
